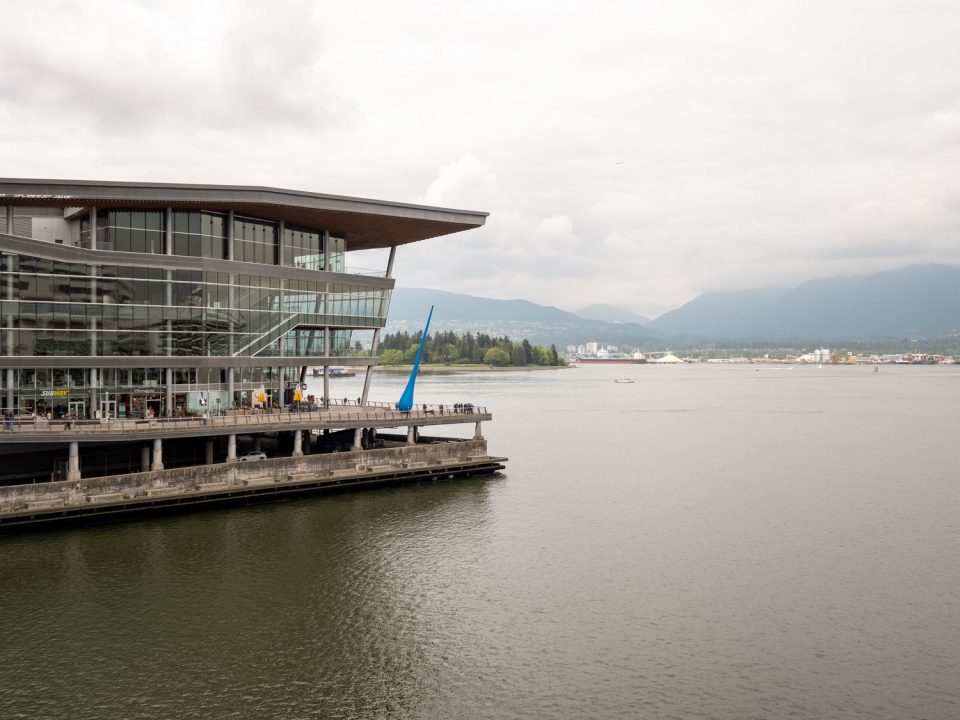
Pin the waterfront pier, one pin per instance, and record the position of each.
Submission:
(155, 341)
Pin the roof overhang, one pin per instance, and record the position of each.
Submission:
(365, 224)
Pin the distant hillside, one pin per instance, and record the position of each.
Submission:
(611, 314)
(921, 300)
(540, 324)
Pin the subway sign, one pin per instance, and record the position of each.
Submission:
(54, 393)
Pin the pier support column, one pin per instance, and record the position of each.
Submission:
(231, 448)
(157, 455)
(256, 443)
(73, 467)
(168, 397)
(145, 458)
(326, 386)
(358, 439)
(209, 451)
(10, 382)
(297, 443)
(476, 431)
(411, 435)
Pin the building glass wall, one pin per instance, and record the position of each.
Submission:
(52, 308)
(254, 241)
(58, 308)
(200, 234)
(204, 234)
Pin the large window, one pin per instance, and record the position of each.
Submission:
(199, 234)
(302, 248)
(254, 241)
(139, 231)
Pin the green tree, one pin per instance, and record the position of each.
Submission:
(391, 357)
(496, 357)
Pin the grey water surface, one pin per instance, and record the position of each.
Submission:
(707, 542)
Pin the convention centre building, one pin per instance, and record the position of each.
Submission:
(124, 300)
(155, 341)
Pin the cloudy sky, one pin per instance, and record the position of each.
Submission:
(634, 153)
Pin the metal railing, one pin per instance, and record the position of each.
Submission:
(338, 411)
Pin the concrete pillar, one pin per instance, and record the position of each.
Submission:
(145, 458)
(358, 439)
(476, 431)
(374, 349)
(168, 402)
(73, 468)
(93, 228)
(230, 389)
(94, 405)
(209, 458)
(297, 443)
(280, 387)
(256, 443)
(157, 455)
(411, 435)
(9, 219)
(281, 260)
(168, 231)
(231, 448)
(326, 381)
(230, 236)
(10, 296)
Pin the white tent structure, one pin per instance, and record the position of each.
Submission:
(668, 359)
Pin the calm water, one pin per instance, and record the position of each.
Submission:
(708, 542)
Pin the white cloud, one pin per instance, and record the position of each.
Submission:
(637, 156)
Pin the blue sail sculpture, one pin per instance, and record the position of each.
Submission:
(406, 400)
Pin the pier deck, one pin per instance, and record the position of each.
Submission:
(181, 489)
(341, 417)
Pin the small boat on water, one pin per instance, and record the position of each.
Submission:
(335, 372)
(623, 380)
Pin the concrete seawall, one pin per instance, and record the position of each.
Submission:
(30, 504)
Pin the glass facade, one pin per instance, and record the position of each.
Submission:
(64, 309)
(54, 308)
(129, 392)
(200, 234)
(205, 234)
(255, 241)
(304, 249)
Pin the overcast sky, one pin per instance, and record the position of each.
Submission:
(633, 153)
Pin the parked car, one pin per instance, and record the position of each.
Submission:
(253, 456)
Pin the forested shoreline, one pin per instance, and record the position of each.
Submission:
(448, 347)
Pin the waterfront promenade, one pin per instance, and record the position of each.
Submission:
(338, 416)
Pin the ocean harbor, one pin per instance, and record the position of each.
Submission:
(736, 544)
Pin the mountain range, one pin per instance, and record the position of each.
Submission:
(920, 300)
(540, 324)
(915, 301)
